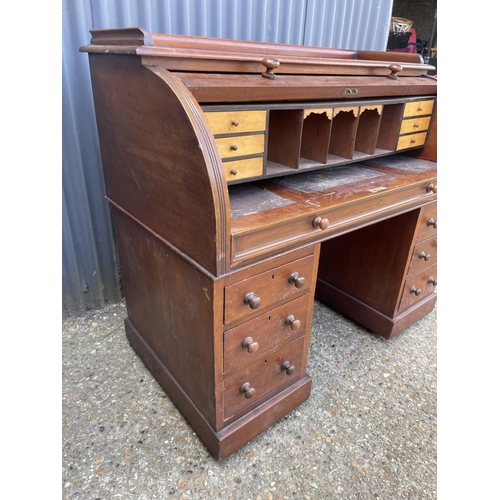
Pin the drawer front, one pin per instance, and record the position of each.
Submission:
(240, 145)
(427, 226)
(242, 169)
(419, 108)
(418, 286)
(260, 241)
(411, 141)
(248, 297)
(415, 125)
(243, 387)
(265, 333)
(424, 255)
(235, 122)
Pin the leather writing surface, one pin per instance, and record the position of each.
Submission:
(248, 199)
(401, 162)
(321, 180)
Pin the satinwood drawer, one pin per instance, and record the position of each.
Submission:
(265, 333)
(246, 385)
(418, 286)
(243, 169)
(415, 125)
(419, 108)
(424, 255)
(240, 145)
(257, 293)
(235, 122)
(427, 225)
(411, 140)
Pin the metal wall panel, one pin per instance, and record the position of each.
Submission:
(90, 266)
(261, 20)
(348, 24)
(90, 275)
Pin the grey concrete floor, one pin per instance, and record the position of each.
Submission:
(368, 431)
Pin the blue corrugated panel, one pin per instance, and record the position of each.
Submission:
(90, 274)
(348, 24)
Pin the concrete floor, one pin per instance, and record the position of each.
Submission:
(368, 431)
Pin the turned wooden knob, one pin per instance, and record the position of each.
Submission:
(433, 223)
(287, 367)
(235, 123)
(321, 222)
(293, 323)
(250, 345)
(431, 188)
(247, 390)
(270, 63)
(252, 300)
(414, 290)
(395, 69)
(425, 256)
(233, 172)
(432, 281)
(234, 147)
(295, 279)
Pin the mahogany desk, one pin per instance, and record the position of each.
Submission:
(245, 179)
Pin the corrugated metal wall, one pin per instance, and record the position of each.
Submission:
(90, 265)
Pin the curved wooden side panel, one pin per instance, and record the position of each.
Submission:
(160, 162)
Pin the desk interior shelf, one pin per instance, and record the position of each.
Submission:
(290, 139)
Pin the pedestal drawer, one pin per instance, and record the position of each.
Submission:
(243, 387)
(424, 255)
(418, 286)
(265, 333)
(262, 291)
(427, 226)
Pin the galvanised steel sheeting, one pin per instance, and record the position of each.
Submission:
(262, 20)
(351, 24)
(90, 276)
(348, 24)
(90, 268)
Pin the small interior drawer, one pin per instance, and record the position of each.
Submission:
(235, 122)
(424, 255)
(243, 169)
(419, 108)
(255, 294)
(415, 125)
(411, 141)
(240, 145)
(265, 333)
(427, 225)
(262, 376)
(418, 286)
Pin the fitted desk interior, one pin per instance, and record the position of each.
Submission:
(247, 179)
